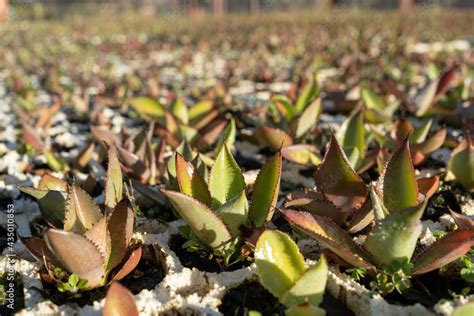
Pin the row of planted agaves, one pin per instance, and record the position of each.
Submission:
(211, 194)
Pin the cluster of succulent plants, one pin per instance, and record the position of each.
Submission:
(143, 137)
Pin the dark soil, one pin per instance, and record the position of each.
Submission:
(252, 296)
(200, 260)
(18, 295)
(146, 275)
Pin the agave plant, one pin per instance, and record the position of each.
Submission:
(341, 194)
(200, 124)
(216, 210)
(461, 163)
(398, 202)
(282, 271)
(422, 146)
(94, 246)
(294, 122)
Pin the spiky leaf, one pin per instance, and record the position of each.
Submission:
(265, 191)
(444, 251)
(337, 180)
(81, 211)
(190, 182)
(77, 255)
(398, 182)
(113, 181)
(332, 236)
(204, 223)
(225, 180)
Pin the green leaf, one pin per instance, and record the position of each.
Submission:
(308, 119)
(225, 180)
(266, 189)
(180, 110)
(419, 133)
(77, 255)
(352, 133)
(380, 212)
(147, 107)
(227, 137)
(279, 262)
(234, 213)
(398, 185)
(50, 203)
(113, 181)
(301, 154)
(444, 250)
(284, 107)
(371, 100)
(205, 224)
(309, 287)
(461, 164)
(81, 211)
(331, 235)
(394, 238)
(309, 93)
(190, 182)
(198, 111)
(337, 180)
(56, 164)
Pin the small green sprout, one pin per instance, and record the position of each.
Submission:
(73, 284)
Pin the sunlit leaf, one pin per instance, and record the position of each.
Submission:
(113, 181)
(307, 95)
(265, 191)
(301, 154)
(190, 182)
(332, 236)
(352, 133)
(180, 110)
(337, 180)
(397, 182)
(309, 287)
(279, 262)
(147, 107)
(204, 223)
(120, 224)
(444, 251)
(50, 203)
(308, 118)
(225, 180)
(49, 182)
(227, 137)
(81, 211)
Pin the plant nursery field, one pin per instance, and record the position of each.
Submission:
(278, 164)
